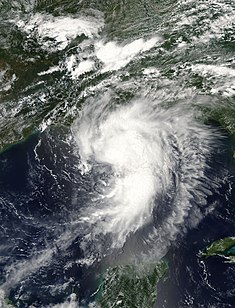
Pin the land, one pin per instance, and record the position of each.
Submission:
(131, 286)
(224, 247)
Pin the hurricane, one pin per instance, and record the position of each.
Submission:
(141, 153)
(117, 154)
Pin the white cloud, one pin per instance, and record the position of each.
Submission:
(115, 57)
(57, 32)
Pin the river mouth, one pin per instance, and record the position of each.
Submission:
(116, 138)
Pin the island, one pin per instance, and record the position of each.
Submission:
(223, 247)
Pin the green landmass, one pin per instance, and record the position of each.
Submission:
(131, 286)
(224, 247)
(27, 99)
(4, 301)
(224, 115)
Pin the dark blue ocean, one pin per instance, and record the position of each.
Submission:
(41, 187)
